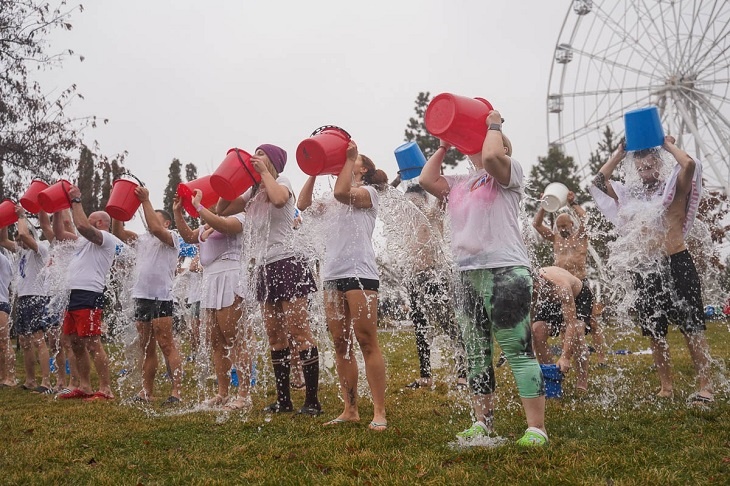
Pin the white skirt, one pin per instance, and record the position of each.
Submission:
(221, 283)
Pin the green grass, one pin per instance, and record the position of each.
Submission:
(617, 435)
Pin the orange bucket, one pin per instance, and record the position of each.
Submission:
(123, 202)
(7, 213)
(55, 198)
(186, 191)
(324, 152)
(459, 120)
(29, 201)
(235, 175)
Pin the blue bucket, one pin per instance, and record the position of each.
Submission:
(553, 378)
(643, 128)
(410, 160)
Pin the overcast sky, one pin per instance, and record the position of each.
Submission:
(191, 79)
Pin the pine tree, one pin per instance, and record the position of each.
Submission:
(86, 172)
(174, 178)
(416, 132)
(191, 172)
(107, 180)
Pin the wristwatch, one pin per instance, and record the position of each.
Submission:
(495, 126)
(76, 200)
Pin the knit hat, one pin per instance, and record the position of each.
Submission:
(276, 155)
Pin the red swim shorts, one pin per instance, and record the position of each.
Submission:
(82, 322)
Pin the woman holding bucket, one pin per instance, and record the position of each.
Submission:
(495, 288)
(221, 242)
(283, 279)
(351, 283)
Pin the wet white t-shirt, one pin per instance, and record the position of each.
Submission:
(484, 220)
(91, 263)
(349, 240)
(6, 275)
(30, 267)
(221, 246)
(156, 265)
(272, 228)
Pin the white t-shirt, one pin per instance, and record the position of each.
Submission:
(156, 264)
(30, 267)
(6, 275)
(348, 245)
(91, 263)
(272, 228)
(221, 246)
(484, 218)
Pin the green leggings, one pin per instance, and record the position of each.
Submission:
(497, 301)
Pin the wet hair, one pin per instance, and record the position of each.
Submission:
(164, 214)
(373, 177)
(415, 189)
(640, 154)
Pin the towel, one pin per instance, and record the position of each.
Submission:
(610, 207)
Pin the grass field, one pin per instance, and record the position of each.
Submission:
(618, 434)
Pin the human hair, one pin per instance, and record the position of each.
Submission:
(373, 177)
(164, 214)
(415, 189)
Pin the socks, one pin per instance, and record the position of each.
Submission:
(281, 361)
(310, 367)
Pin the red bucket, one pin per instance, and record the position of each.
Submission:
(55, 198)
(29, 201)
(7, 213)
(123, 202)
(459, 120)
(235, 175)
(186, 191)
(324, 152)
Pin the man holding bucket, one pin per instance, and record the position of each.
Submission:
(87, 273)
(157, 257)
(653, 212)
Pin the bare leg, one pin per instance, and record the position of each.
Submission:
(483, 406)
(149, 359)
(7, 356)
(599, 340)
(535, 412)
(699, 350)
(162, 331)
(363, 307)
(540, 337)
(660, 353)
(580, 359)
(40, 350)
(83, 363)
(57, 351)
(66, 344)
(338, 322)
(101, 363)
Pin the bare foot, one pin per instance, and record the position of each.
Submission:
(343, 419)
(665, 393)
(216, 401)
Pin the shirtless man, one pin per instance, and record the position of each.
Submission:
(570, 250)
(673, 287)
(559, 299)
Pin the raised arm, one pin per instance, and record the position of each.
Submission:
(572, 328)
(61, 226)
(227, 208)
(494, 158)
(80, 219)
(122, 233)
(305, 195)
(431, 178)
(23, 230)
(224, 224)
(602, 181)
(537, 223)
(188, 235)
(686, 164)
(344, 191)
(579, 211)
(46, 228)
(6, 242)
(154, 225)
(278, 194)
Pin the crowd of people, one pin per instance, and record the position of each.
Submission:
(247, 258)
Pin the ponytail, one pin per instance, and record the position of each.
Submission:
(373, 177)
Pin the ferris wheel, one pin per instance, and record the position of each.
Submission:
(613, 56)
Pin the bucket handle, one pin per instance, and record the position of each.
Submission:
(240, 159)
(127, 173)
(325, 127)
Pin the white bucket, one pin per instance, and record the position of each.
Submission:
(554, 197)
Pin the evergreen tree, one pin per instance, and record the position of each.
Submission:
(416, 132)
(86, 172)
(107, 179)
(174, 178)
(191, 172)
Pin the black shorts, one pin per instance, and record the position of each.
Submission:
(674, 293)
(85, 299)
(551, 311)
(352, 283)
(32, 315)
(285, 279)
(147, 310)
(5, 307)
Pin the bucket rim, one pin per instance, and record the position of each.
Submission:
(324, 128)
